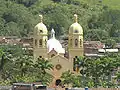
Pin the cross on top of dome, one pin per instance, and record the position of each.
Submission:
(76, 17)
(52, 33)
(41, 18)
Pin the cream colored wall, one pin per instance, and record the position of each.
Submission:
(64, 62)
(37, 49)
(62, 54)
(40, 52)
(75, 50)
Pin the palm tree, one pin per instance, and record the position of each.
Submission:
(41, 67)
(68, 78)
(23, 64)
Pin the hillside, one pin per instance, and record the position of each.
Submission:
(114, 4)
(100, 20)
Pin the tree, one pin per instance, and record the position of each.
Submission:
(118, 78)
(18, 66)
(110, 43)
(14, 63)
(15, 19)
(97, 71)
(42, 66)
(67, 78)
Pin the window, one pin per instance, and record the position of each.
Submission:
(76, 42)
(40, 56)
(80, 42)
(35, 42)
(76, 56)
(41, 31)
(40, 42)
(76, 31)
(52, 55)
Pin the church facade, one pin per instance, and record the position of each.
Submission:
(52, 50)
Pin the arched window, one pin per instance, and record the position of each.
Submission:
(40, 42)
(80, 42)
(35, 42)
(76, 56)
(76, 31)
(52, 55)
(76, 42)
(40, 56)
(41, 31)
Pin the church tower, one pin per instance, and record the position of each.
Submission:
(75, 45)
(40, 40)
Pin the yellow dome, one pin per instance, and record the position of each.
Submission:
(75, 28)
(40, 28)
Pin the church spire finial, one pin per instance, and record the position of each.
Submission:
(52, 33)
(41, 18)
(76, 17)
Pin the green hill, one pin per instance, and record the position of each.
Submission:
(114, 4)
(18, 17)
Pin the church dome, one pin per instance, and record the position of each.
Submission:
(53, 43)
(40, 28)
(75, 28)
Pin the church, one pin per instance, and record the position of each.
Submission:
(52, 50)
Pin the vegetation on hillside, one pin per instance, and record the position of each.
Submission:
(98, 19)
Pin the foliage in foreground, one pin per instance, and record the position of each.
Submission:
(94, 72)
(17, 66)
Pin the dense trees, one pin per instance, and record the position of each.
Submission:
(95, 72)
(15, 19)
(18, 17)
(17, 66)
